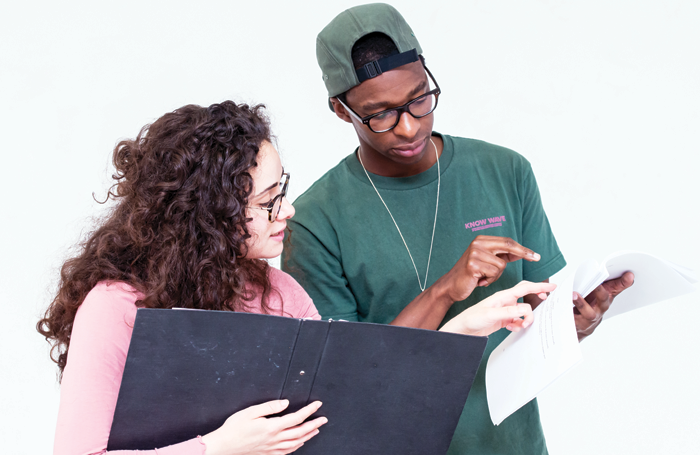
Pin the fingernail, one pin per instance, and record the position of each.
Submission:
(324, 420)
(535, 256)
(526, 325)
(575, 295)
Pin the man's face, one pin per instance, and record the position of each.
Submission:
(403, 150)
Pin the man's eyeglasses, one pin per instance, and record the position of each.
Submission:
(386, 120)
(275, 205)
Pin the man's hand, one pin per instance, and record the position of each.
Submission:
(589, 311)
(482, 264)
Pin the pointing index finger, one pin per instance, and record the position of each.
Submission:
(512, 250)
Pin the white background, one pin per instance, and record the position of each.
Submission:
(603, 97)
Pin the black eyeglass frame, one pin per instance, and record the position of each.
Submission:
(271, 205)
(399, 109)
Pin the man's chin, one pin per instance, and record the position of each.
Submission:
(408, 158)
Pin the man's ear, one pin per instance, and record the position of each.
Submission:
(339, 110)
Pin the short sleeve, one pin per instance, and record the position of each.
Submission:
(315, 264)
(536, 231)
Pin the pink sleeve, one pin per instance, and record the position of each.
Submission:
(90, 386)
(297, 303)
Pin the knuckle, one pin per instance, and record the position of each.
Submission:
(473, 264)
(473, 251)
(497, 271)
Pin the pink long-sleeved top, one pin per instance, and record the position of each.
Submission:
(99, 344)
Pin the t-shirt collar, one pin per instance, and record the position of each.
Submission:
(397, 183)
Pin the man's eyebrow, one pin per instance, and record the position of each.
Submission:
(380, 105)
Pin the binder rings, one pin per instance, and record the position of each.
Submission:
(385, 389)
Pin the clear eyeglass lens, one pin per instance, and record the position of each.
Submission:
(276, 206)
(423, 106)
(419, 108)
(277, 202)
(384, 121)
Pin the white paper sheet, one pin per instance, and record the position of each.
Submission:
(655, 280)
(526, 362)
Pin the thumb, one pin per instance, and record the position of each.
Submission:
(618, 285)
(267, 408)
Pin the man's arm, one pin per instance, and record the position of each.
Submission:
(588, 312)
(480, 265)
(322, 276)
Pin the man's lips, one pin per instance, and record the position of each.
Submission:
(410, 149)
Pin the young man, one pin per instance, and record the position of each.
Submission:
(393, 234)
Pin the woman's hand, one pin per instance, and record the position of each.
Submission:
(498, 311)
(250, 432)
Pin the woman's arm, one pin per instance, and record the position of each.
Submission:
(99, 344)
(501, 310)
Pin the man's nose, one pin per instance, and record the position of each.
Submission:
(408, 126)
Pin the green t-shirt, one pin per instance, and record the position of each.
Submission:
(348, 255)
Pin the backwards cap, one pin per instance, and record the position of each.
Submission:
(334, 45)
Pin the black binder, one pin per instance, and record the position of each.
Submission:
(385, 389)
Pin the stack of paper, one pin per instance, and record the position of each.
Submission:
(526, 362)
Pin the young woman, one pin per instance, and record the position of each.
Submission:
(200, 204)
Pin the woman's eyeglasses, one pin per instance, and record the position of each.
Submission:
(275, 205)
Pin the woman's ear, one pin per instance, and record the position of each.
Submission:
(339, 110)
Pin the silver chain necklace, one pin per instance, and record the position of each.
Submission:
(430, 253)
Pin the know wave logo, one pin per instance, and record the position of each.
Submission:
(486, 223)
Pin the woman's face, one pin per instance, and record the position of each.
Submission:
(266, 240)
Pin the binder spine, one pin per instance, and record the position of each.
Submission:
(303, 365)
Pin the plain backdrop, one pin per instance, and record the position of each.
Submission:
(603, 97)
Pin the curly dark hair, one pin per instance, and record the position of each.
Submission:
(178, 231)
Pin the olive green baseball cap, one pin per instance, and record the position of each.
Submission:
(334, 45)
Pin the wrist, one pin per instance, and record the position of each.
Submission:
(440, 293)
(209, 442)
